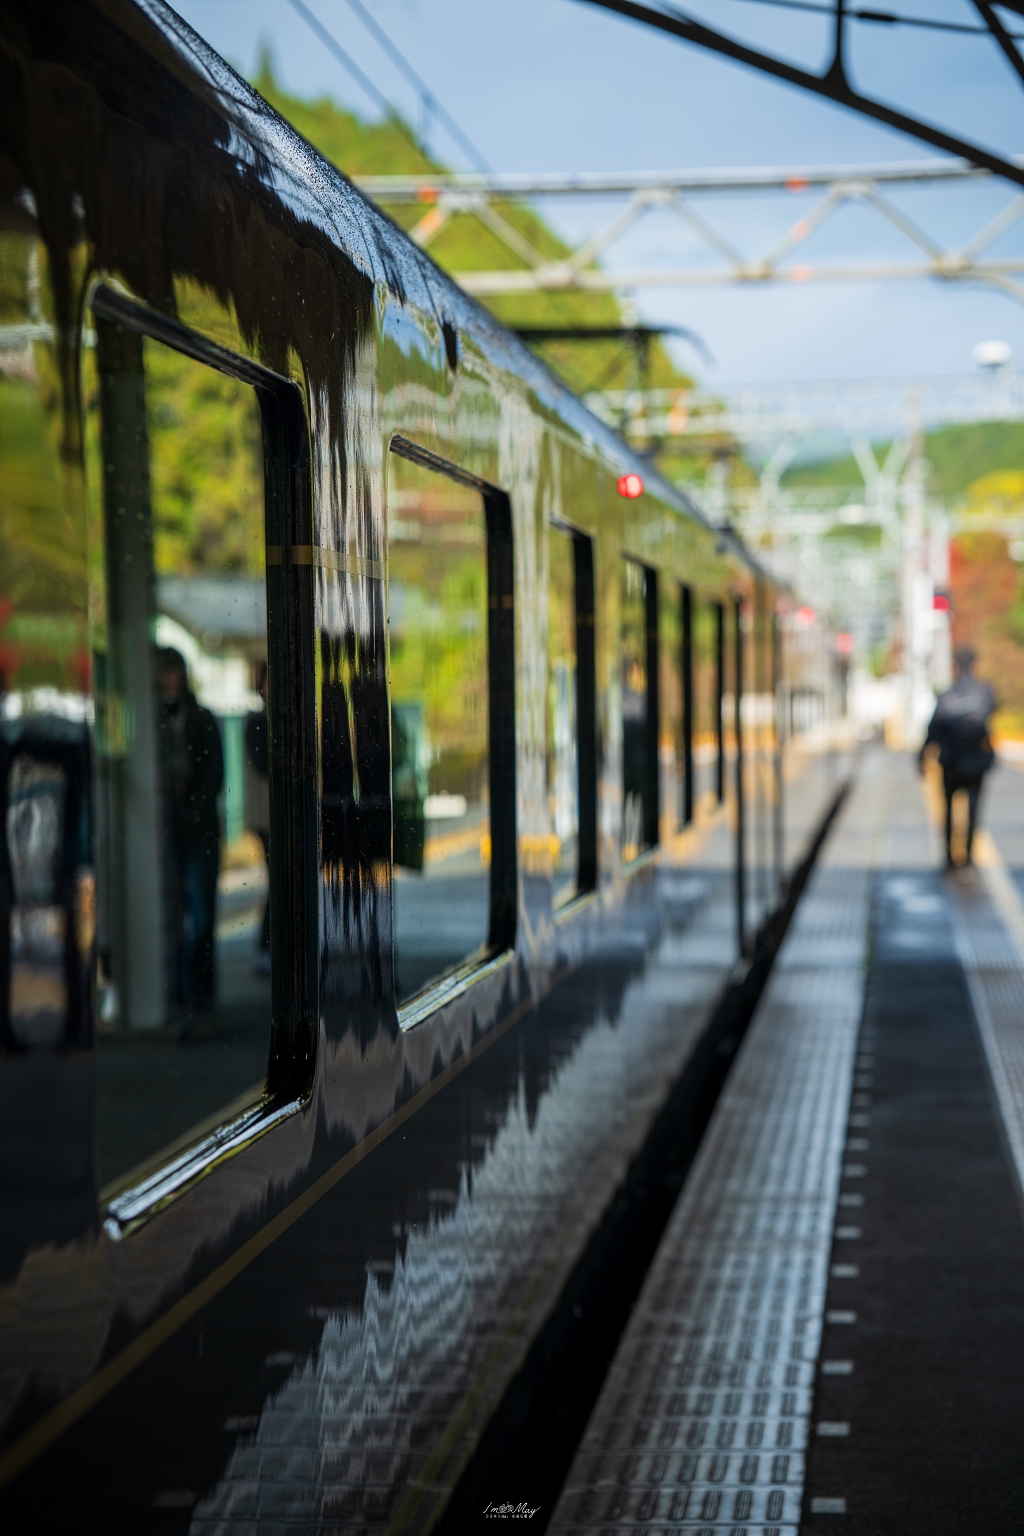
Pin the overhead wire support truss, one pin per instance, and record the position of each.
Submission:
(833, 83)
(675, 192)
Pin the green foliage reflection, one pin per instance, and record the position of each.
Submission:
(205, 459)
(43, 589)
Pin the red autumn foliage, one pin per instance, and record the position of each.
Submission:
(983, 584)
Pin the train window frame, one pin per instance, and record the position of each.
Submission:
(652, 800)
(586, 719)
(288, 531)
(501, 736)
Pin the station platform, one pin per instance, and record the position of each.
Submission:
(831, 1336)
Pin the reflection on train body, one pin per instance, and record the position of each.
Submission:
(113, 764)
(179, 634)
(444, 1263)
(708, 686)
(671, 712)
(639, 716)
(376, 788)
(438, 665)
(562, 760)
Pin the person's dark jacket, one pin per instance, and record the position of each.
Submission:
(960, 727)
(192, 764)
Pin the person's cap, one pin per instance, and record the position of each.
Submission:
(965, 657)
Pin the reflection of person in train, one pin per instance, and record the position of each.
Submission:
(257, 801)
(192, 775)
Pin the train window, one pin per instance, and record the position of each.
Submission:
(675, 697)
(739, 730)
(178, 640)
(571, 721)
(639, 663)
(707, 641)
(720, 650)
(563, 716)
(440, 685)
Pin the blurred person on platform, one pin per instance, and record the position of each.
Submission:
(960, 729)
(192, 776)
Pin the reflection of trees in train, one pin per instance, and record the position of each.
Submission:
(439, 654)
(206, 483)
(42, 537)
(705, 674)
(635, 762)
(437, 617)
(705, 704)
(562, 766)
(206, 450)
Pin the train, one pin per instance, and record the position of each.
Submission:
(395, 772)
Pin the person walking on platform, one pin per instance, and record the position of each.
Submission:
(192, 775)
(960, 729)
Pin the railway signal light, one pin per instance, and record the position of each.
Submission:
(631, 486)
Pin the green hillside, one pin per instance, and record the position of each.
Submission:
(961, 455)
(975, 468)
(958, 456)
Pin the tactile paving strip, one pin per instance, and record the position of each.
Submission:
(362, 1433)
(702, 1424)
(994, 962)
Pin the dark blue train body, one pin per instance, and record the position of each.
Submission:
(306, 1121)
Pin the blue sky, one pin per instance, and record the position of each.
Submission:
(556, 85)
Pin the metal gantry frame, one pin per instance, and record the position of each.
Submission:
(834, 83)
(677, 192)
(811, 536)
(761, 415)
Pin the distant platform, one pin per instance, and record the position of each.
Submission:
(831, 1333)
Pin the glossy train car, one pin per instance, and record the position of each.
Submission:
(386, 800)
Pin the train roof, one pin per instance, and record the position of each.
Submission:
(224, 128)
(376, 244)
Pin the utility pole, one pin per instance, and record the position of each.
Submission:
(918, 596)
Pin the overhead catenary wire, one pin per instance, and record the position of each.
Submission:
(416, 80)
(363, 80)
